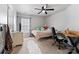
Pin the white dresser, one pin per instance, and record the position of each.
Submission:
(17, 38)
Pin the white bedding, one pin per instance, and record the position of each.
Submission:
(40, 34)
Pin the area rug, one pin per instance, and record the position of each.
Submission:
(32, 47)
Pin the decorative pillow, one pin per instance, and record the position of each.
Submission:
(37, 28)
(42, 29)
(45, 27)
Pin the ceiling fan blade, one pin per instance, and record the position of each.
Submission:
(40, 11)
(49, 9)
(45, 12)
(37, 9)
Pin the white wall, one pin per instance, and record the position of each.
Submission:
(37, 21)
(12, 18)
(3, 13)
(58, 20)
(69, 18)
(73, 17)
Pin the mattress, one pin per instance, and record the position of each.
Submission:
(40, 34)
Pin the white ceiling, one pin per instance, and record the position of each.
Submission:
(30, 8)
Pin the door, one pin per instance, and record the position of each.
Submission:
(25, 26)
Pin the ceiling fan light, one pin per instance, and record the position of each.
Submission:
(43, 11)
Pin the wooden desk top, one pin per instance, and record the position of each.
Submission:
(71, 35)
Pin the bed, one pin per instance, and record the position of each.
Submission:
(41, 34)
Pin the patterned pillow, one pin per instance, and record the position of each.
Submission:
(40, 28)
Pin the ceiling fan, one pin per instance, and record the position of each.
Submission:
(44, 9)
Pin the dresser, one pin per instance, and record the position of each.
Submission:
(17, 38)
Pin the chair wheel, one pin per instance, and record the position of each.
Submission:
(69, 52)
(59, 48)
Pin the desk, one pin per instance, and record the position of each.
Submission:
(71, 35)
(17, 38)
(74, 39)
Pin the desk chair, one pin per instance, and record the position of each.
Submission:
(58, 37)
(74, 44)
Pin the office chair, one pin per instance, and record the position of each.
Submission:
(74, 44)
(58, 37)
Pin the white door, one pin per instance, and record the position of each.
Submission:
(25, 26)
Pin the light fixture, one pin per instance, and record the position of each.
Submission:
(43, 11)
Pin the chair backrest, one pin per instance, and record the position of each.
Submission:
(54, 33)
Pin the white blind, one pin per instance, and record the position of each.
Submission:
(25, 23)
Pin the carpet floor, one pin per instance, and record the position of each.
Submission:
(42, 46)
